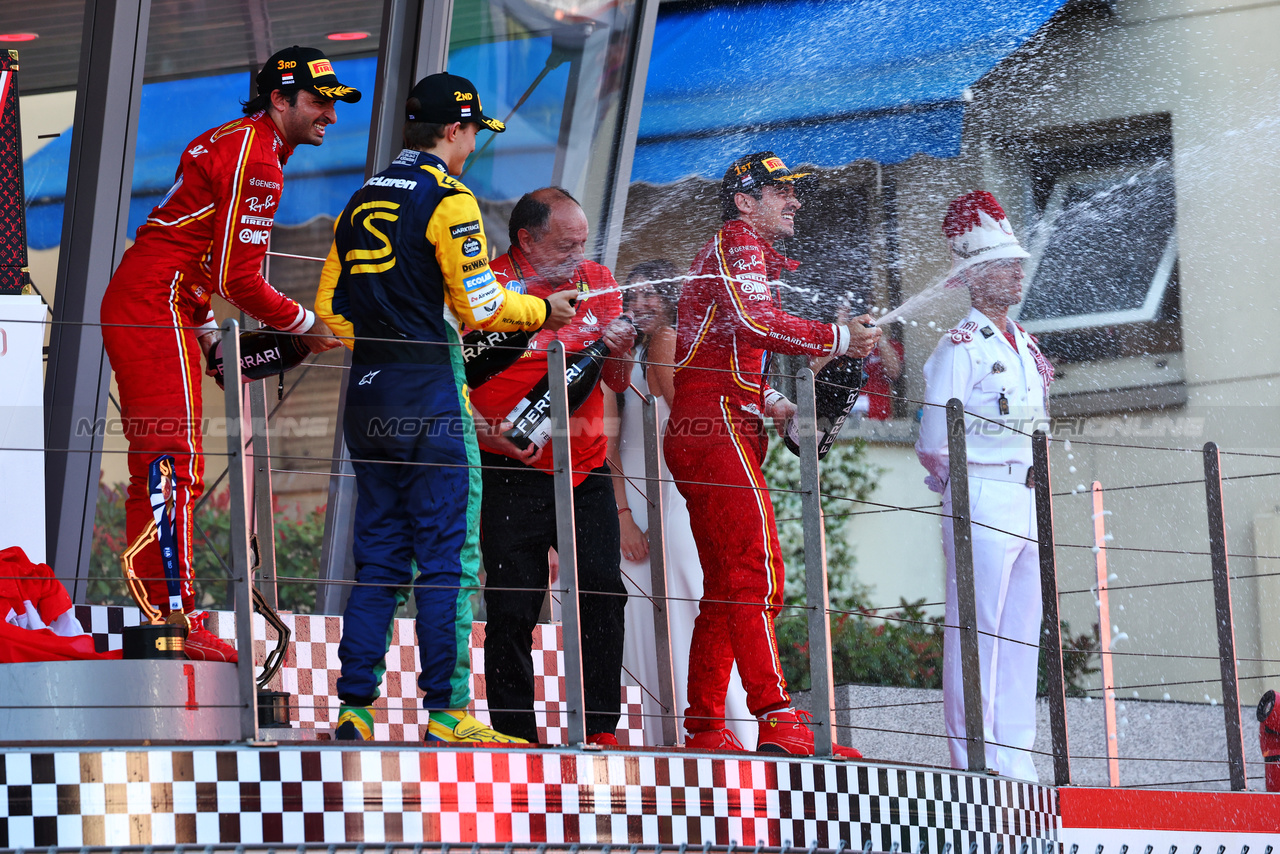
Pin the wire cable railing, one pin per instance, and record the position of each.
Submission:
(280, 461)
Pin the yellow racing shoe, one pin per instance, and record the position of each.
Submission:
(355, 723)
(459, 727)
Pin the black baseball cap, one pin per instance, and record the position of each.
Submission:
(304, 68)
(447, 98)
(748, 174)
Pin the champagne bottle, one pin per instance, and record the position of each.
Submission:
(835, 391)
(487, 354)
(263, 352)
(531, 417)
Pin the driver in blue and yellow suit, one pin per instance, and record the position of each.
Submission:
(408, 269)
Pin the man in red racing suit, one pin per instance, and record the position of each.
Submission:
(729, 322)
(208, 235)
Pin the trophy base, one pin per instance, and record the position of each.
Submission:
(151, 641)
(273, 709)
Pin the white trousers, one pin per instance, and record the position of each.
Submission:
(1006, 570)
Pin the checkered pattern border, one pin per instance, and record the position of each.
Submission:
(311, 670)
(337, 794)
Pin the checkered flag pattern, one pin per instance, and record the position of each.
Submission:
(311, 668)
(290, 795)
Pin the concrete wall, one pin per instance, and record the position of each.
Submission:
(1158, 743)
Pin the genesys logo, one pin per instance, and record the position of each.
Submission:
(258, 182)
(254, 238)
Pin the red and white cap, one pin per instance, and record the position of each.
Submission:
(977, 230)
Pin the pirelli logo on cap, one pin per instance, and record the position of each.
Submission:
(467, 229)
(773, 164)
(320, 67)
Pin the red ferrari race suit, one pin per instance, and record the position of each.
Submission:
(208, 235)
(730, 319)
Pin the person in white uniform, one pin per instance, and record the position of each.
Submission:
(654, 306)
(997, 370)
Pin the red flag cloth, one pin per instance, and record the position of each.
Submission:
(39, 622)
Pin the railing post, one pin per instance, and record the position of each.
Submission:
(1052, 621)
(239, 532)
(658, 571)
(566, 547)
(822, 682)
(1222, 608)
(970, 663)
(1104, 636)
(264, 524)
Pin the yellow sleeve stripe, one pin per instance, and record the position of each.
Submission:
(698, 338)
(342, 328)
(233, 210)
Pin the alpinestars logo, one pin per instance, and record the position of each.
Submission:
(368, 378)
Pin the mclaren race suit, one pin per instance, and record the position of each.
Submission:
(409, 265)
(208, 235)
(729, 321)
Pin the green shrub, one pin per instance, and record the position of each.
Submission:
(905, 651)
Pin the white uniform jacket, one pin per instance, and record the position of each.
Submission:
(975, 363)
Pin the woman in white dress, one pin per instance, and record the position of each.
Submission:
(654, 307)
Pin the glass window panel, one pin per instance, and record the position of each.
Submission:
(200, 65)
(1106, 250)
(556, 72)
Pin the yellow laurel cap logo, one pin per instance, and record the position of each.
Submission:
(334, 92)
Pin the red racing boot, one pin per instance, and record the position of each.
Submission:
(785, 731)
(716, 739)
(204, 645)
